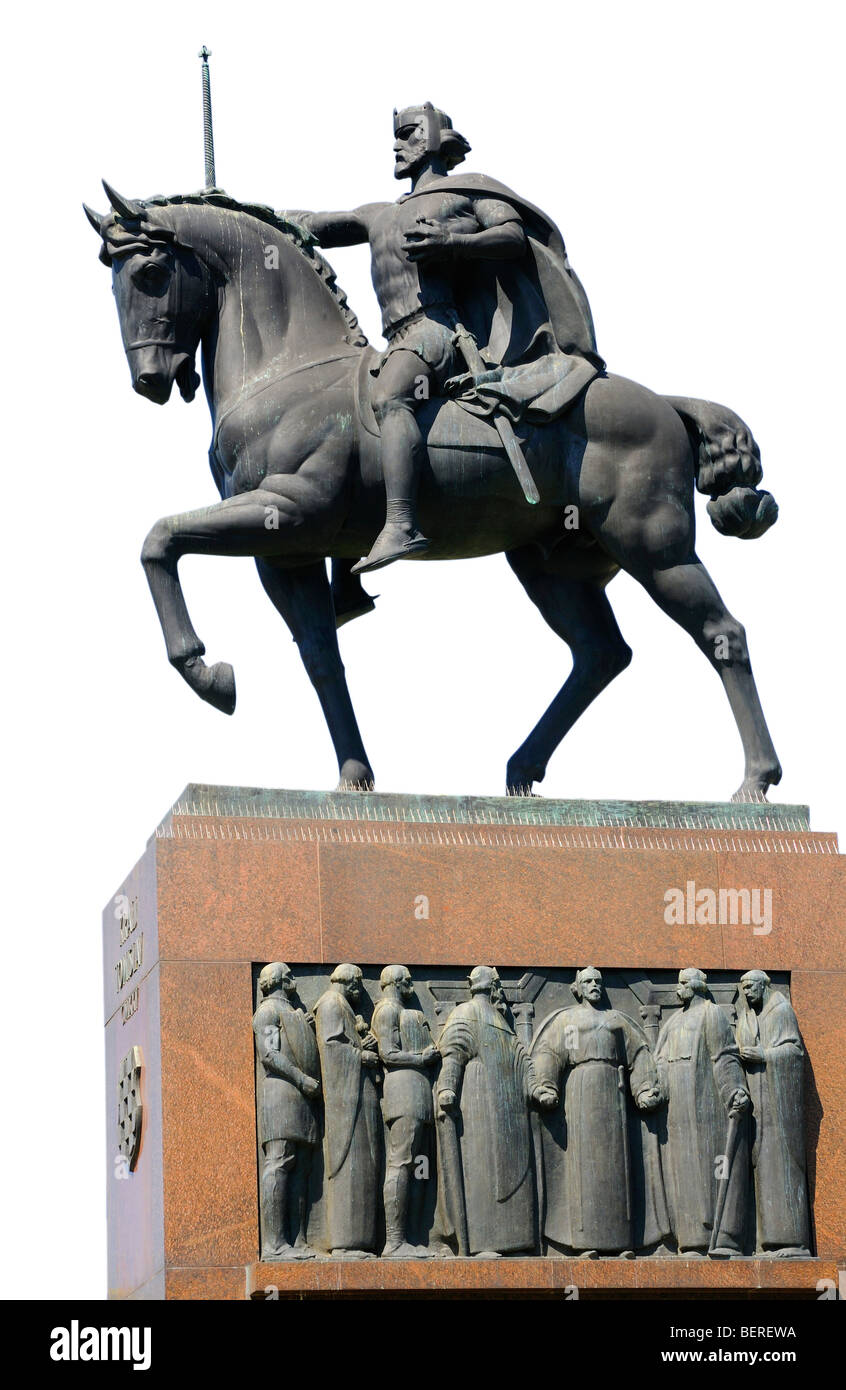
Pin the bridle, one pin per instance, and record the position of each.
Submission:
(159, 342)
(174, 305)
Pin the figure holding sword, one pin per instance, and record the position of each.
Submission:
(477, 294)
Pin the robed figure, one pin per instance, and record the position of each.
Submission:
(288, 1118)
(597, 1081)
(353, 1123)
(774, 1060)
(707, 1138)
(486, 1160)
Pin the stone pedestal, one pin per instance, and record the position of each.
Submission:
(234, 878)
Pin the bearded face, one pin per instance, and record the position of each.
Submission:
(411, 148)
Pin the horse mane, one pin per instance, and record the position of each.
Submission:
(302, 239)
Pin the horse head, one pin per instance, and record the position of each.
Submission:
(164, 294)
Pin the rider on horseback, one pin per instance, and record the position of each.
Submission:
(450, 250)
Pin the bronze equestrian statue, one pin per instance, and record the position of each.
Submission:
(489, 394)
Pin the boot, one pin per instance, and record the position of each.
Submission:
(397, 1245)
(399, 539)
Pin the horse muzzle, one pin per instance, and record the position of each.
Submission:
(155, 366)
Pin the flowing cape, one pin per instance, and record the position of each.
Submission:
(530, 316)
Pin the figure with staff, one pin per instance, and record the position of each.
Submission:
(706, 1156)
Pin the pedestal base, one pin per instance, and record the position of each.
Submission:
(236, 878)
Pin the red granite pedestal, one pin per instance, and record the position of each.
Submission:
(235, 877)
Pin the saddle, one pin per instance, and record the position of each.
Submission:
(445, 423)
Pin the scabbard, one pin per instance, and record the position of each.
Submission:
(466, 343)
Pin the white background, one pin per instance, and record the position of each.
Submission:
(692, 155)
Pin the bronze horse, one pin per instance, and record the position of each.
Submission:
(295, 456)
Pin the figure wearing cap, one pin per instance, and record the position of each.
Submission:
(459, 249)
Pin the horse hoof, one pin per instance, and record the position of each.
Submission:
(222, 689)
(519, 781)
(520, 777)
(754, 788)
(750, 790)
(350, 605)
(347, 615)
(214, 684)
(355, 777)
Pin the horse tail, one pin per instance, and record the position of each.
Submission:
(728, 468)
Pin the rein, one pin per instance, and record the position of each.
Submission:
(159, 342)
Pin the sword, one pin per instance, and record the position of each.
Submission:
(465, 341)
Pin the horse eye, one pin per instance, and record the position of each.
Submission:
(152, 277)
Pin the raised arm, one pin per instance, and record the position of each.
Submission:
(337, 228)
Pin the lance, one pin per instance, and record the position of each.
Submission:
(465, 341)
(208, 137)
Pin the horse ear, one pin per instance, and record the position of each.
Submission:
(122, 206)
(95, 218)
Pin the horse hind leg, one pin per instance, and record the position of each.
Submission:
(687, 593)
(579, 612)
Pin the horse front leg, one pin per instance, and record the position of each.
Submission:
(304, 599)
(236, 526)
(162, 549)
